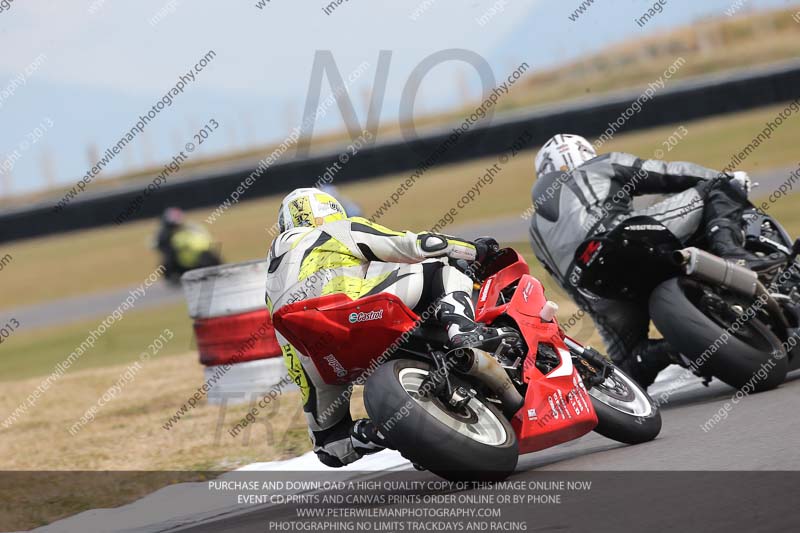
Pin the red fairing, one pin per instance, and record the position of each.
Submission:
(343, 336)
(557, 407)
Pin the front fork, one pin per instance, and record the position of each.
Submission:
(592, 366)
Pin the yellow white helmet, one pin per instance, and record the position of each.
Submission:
(308, 208)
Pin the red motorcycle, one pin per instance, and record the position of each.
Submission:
(467, 413)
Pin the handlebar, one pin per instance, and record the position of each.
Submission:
(468, 268)
(476, 270)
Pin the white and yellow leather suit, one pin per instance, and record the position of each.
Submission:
(320, 252)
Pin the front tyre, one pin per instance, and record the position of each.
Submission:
(625, 412)
(474, 443)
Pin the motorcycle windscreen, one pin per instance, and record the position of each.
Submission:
(345, 337)
(508, 268)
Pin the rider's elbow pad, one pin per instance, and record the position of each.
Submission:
(435, 245)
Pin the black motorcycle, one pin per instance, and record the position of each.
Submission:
(725, 321)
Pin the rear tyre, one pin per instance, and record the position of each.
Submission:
(475, 443)
(751, 357)
(625, 412)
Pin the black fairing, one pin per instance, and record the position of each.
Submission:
(628, 262)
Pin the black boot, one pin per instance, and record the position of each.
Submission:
(722, 219)
(648, 360)
(366, 438)
(482, 337)
(458, 316)
(727, 241)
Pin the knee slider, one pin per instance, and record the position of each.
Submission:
(329, 460)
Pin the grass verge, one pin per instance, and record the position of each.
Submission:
(127, 435)
(114, 257)
(36, 353)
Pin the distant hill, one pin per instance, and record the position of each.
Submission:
(713, 45)
(723, 43)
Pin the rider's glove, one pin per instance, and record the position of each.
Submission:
(485, 247)
(743, 181)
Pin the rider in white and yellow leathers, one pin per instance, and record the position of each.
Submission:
(321, 251)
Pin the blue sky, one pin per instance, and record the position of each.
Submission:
(102, 69)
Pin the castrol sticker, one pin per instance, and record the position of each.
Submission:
(369, 316)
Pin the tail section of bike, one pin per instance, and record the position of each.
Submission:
(345, 337)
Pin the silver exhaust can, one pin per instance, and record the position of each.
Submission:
(707, 267)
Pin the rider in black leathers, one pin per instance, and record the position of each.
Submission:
(579, 194)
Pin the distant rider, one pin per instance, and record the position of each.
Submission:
(183, 246)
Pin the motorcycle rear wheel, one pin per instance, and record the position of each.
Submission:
(751, 357)
(474, 443)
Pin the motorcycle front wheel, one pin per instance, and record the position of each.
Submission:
(625, 412)
(474, 442)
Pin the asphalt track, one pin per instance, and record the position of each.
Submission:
(87, 306)
(507, 229)
(664, 485)
(740, 474)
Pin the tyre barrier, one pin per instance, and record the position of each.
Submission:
(235, 337)
(244, 382)
(225, 290)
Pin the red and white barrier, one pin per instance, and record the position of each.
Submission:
(232, 327)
